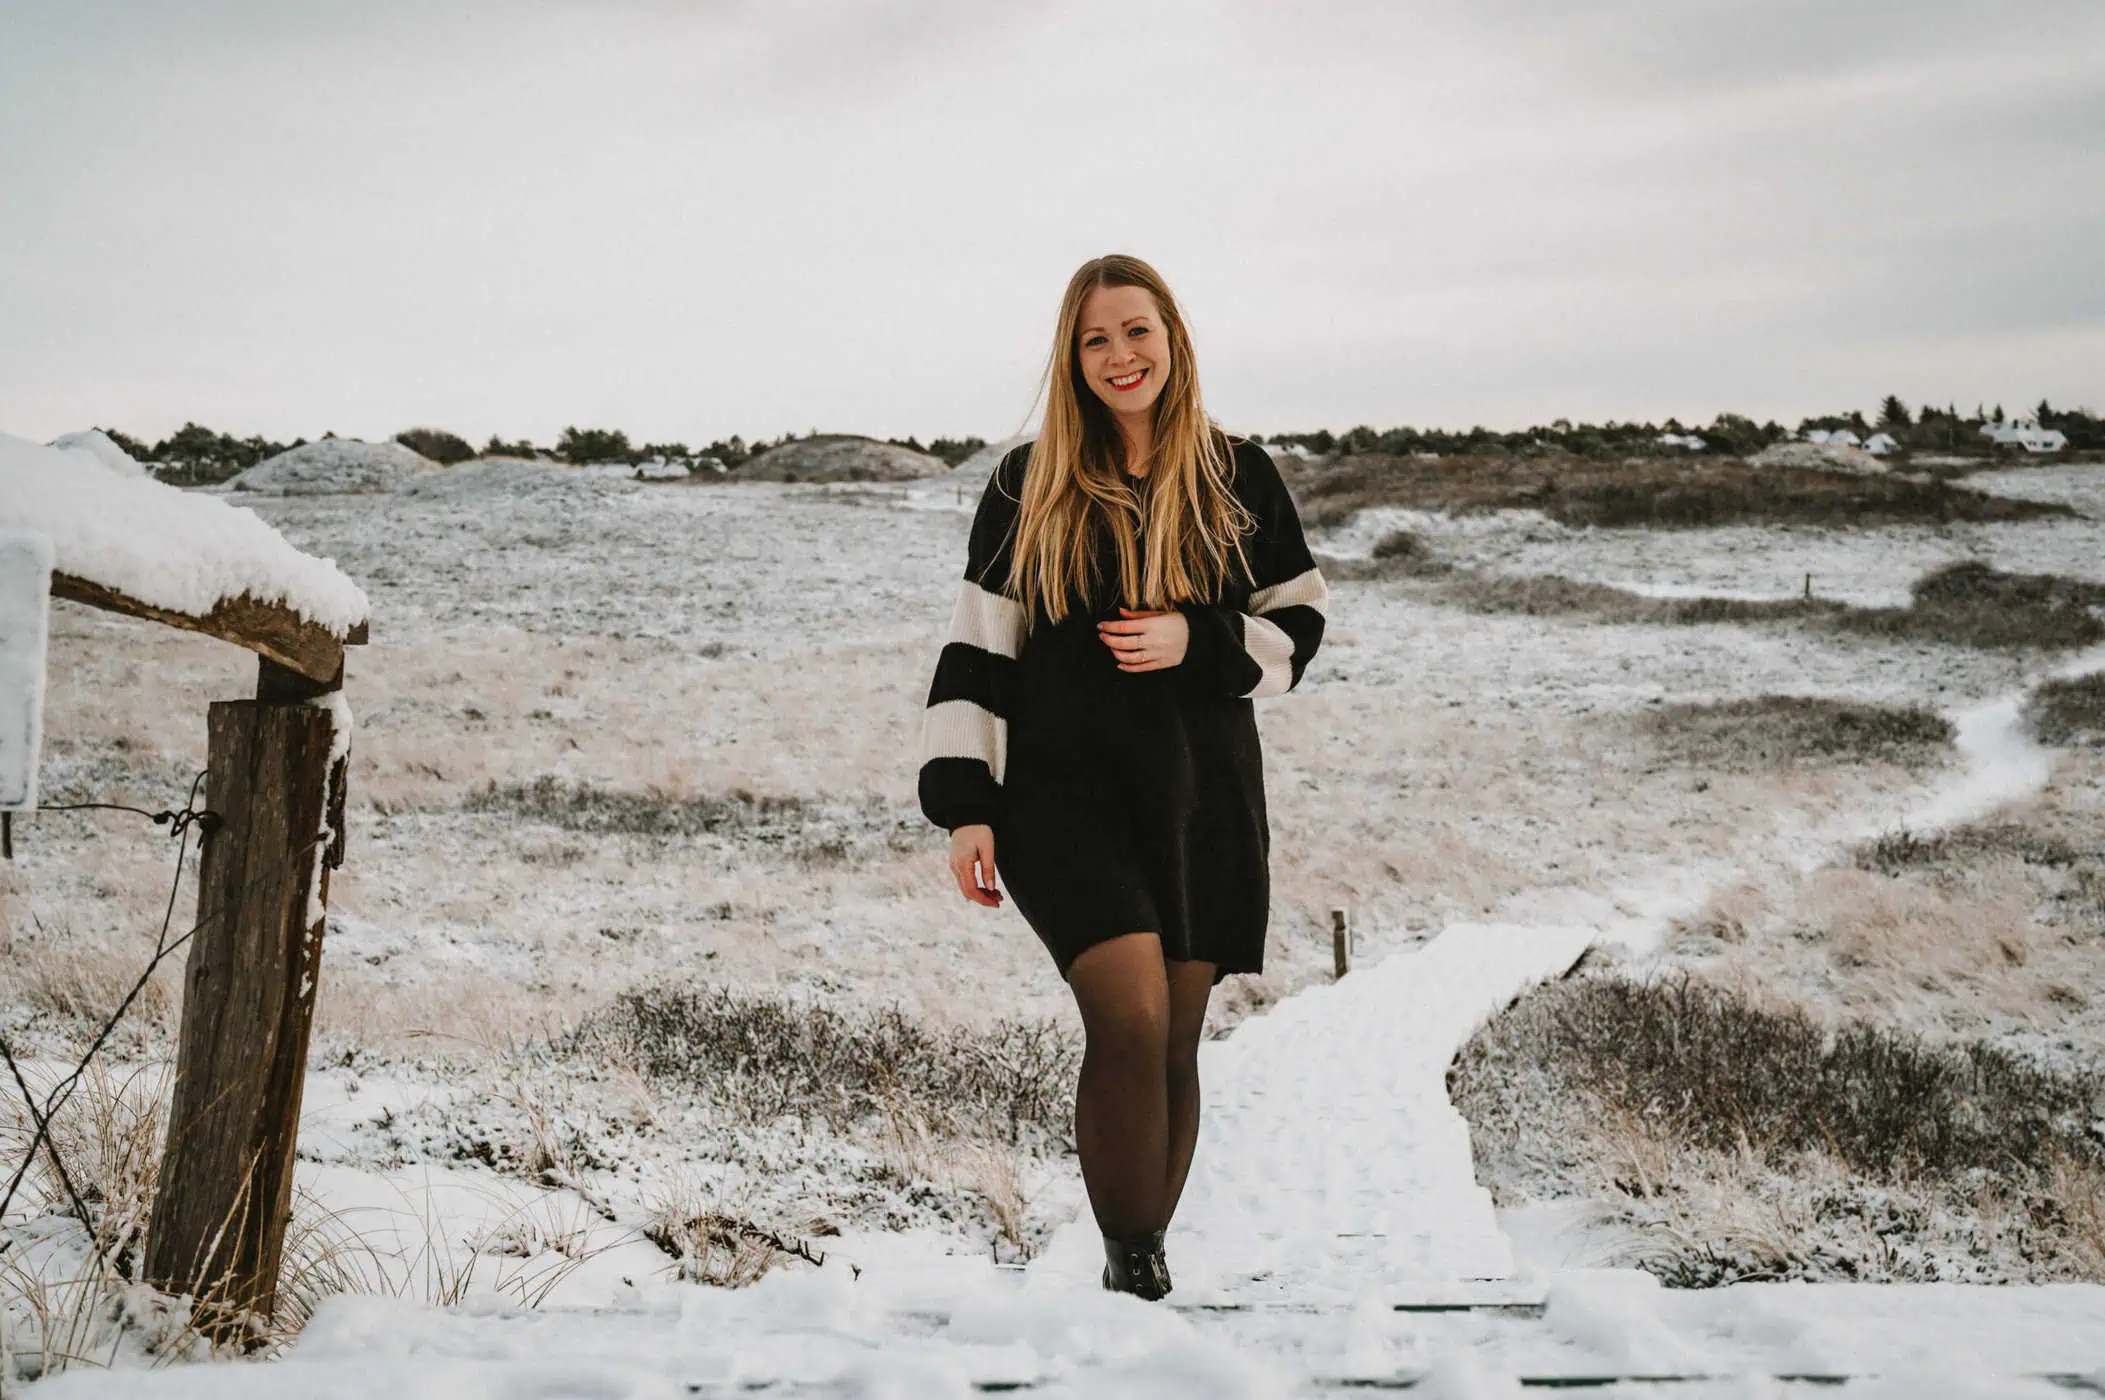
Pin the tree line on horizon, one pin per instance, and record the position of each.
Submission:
(197, 455)
(1925, 429)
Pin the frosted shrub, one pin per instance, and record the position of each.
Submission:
(1716, 1069)
(2069, 711)
(1736, 1141)
(437, 444)
(1654, 492)
(762, 1058)
(820, 830)
(1771, 730)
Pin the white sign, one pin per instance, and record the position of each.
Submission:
(25, 609)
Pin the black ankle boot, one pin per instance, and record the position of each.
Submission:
(1136, 1266)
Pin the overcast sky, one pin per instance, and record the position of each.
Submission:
(693, 219)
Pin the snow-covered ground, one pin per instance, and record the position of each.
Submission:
(1333, 1238)
(1470, 786)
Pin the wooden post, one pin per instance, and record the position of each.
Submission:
(1340, 942)
(225, 1190)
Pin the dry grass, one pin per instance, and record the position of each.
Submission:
(920, 1149)
(80, 980)
(446, 918)
(1551, 595)
(1657, 492)
(1971, 604)
(1774, 730)
(1745, 1140)
(80, 904)
(1454, 813)
(54, 1318)
(1398, 554)
(1928, 935)
(762, 1058)
(1897, 852)
(2070, 711)
(1727, 1217)
(717, 1249)
(1989, 929)
(710, 1243)
(520, 1255)
(796, 828)
(1966, 604)
(2075, 1202)
(996, 1176)
(1965, 954)
(109, 1134)
(83, 1303)
(1713, 1069)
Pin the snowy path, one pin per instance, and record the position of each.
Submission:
(1331, 1165)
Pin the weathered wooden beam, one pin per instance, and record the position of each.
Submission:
(281, 685)
(225, 1194)
(269, 629)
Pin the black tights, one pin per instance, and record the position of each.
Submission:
(1136, 1109)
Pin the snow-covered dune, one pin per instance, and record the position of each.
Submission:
(334, 466)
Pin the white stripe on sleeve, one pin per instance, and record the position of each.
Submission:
(1272, 649)
(1306, 588)
(963, 729)
(987, 620)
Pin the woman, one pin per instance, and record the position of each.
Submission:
(1134, 580)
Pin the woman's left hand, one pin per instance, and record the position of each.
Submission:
(1146, 641)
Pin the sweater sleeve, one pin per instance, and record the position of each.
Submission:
(965, 727)
(1264, 650)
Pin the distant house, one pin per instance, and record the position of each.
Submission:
(2025, 433)
(1879, 444)
(1689, 441)
(1835, 437)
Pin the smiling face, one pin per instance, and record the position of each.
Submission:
(1122, 349)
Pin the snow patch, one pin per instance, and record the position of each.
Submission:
(2002, 764)
(338, 707)
(97, 445)
(1819, 456)
(1356, 538)
(1614, 1314)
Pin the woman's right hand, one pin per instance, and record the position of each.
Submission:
(972, 850)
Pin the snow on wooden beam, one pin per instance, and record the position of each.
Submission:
(179, 550)
(132, 545)
(269, 629)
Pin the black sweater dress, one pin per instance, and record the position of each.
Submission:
(1122, 802)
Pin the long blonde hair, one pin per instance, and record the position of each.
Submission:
(1191, 521)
